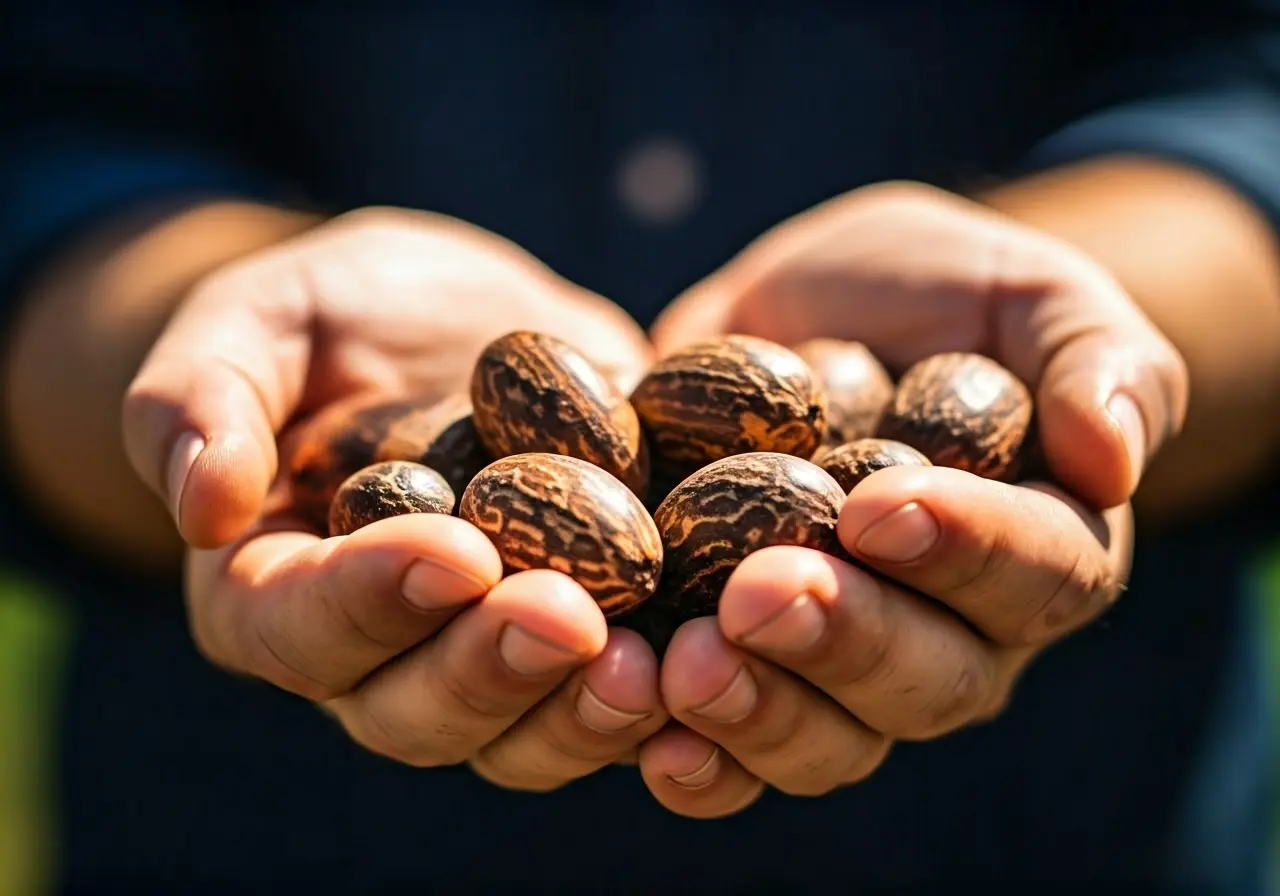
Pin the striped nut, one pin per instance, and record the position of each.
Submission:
(536, 393)
(348, 436)
(853, 462)
(387, 489)
(961, 410)
(732, 508)
(730, 395)
(857, 386)
(550, 511)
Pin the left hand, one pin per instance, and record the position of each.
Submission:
(812, 667)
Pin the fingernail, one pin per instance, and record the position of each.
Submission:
(904, 535)
(527, 654)
(1124, 411)
(186, 449)
(603, 718)
(430, 586)
(734, 703)
(793, 628)
(702, 775)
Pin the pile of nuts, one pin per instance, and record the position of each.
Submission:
(650, 500)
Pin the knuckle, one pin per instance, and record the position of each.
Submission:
(863, 763)
(867, 655)
(502, 775)
(374, 218)
(974, 572)
(279, 661)
(961, 698)
(1081, 593)
(462, 695)
(376, 731)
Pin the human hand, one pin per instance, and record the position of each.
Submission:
(403, 630)
(814, 667)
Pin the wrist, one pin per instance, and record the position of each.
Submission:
(85, 323)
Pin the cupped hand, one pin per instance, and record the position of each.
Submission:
(814, 666)
(404, 631)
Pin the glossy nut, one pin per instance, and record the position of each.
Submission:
(391, 488)
(549, 511)
(961, 410)
(731, 508)
(535, 393)
(853, 462)
(348, 436)
(857, 386)
(730, 395)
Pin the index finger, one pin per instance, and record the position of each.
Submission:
(200, 417)
(316, 616)
(1024, 565)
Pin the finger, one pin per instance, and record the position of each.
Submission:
(911, 271)
(600, 715)
(1109, 388)
(442, 702)
(691, 776)
(201, 415)
(1023, 565)
(903, 665)
(701, 312)
(777, 727)
(315, 617)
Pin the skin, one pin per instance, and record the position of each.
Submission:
(346, 622)
(402, 630)
(814, 668)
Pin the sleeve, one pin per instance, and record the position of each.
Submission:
(1212, 102)
(104, 106)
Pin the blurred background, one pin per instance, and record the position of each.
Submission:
(33, 626)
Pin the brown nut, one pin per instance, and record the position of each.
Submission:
(730, 509)
(730, 395)
(853, 462)
(961, 410)
(857, 386)
(550, 511)
(387, 489)
(348, 436)
(536, 393)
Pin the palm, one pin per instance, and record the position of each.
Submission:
(405, 306)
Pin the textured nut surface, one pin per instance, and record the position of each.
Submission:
(548, 511)
(729, 509)
(961, 410)
(387, 489)
(731, 395)
(347, 437)
(857, 386)
(853, 462)
(536, 393)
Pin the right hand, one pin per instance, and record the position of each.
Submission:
(404, 631)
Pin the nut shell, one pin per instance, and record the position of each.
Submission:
(730, 509)
(536, 393)
(549, 511)
(961, 410)
(731, 395)
(349, 436)
(391, 488)
(853, 462)
(857, 386)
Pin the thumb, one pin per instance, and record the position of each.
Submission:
(201, 415)
(1109, 388)
(701, 312)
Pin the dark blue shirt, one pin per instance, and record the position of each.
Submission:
(634, 149)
